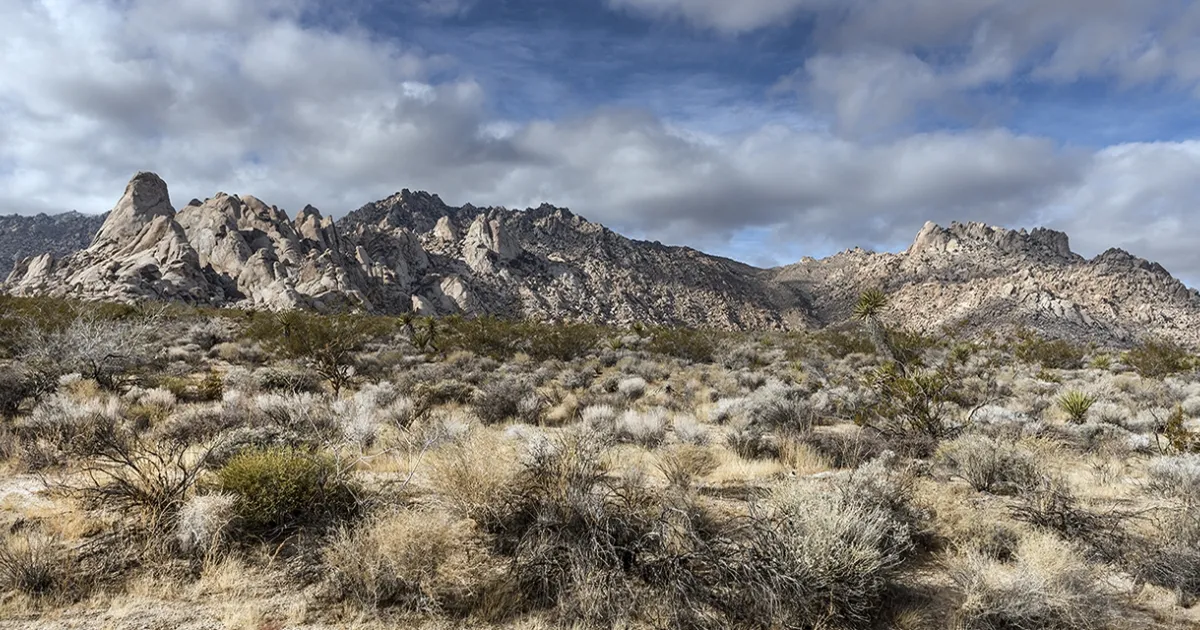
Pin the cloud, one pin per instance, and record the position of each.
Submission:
(1142, 197)
(896, 57)
(723, 15)
(259, 98)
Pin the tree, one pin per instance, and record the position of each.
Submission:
(327, 343)
(869, 307)
(104, 350)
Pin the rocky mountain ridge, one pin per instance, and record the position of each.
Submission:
(60, 234)
(413, 252)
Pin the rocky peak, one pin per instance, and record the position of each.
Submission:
(979, 238)
(145, 200)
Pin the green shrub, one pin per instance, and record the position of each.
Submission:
(1178, 436)
(1057, 354)
(1076, 405)
(913, 406)
(841, 343)
(501, 339)
(327, 343)
(693, 345)
(280, 490)
(1157, 358)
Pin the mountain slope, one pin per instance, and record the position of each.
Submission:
(988, 278)
(60, 234)
(412, 252)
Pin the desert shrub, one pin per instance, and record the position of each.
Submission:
(752, 442)
(133, 473)
(683, 464)
(601, 418)
(327, 343)
(209, 332)
(645, 428)
(33, 563)
(108, 351)
(1076, 405)
(423, 561)
(287, 380)
(1178, 436)
(361, 415)
(989, 465)
(502, 399)
(204, 522)
(1176, 477)
(826, 558)
(633, 387)
(257, 438)
(1171, 557)
(1052, 505)
(1158, 358)
(307, 414)
(1056, 354)
(846, 450)
(280, 490)
(840, 343)
(572, 532)
(426, 396)
(914, 406)
(562, 341)
(689, 431)
(1048, 584)
(577, 379)
(691, 344)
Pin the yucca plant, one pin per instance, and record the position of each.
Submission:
(868, 308)
(870, 304)
(1076, 405)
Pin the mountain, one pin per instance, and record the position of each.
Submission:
(982, 278)
(413, 252)
(60, 234)
(410, 252)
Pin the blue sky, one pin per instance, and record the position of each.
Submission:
(763, 130)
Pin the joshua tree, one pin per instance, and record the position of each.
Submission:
(870, 305)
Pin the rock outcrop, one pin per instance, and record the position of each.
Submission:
(412, 252)
(986, 278)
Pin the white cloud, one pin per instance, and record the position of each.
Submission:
(730, 16)
(1142, 197)
(896, 56)
(246, 97)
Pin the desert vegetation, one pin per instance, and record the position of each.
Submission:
(166, 466)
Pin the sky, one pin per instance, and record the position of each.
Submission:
(762, 130)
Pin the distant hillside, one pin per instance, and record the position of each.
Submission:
(412, 252)
(60, 234)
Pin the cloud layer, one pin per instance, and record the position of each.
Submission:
(262, 97)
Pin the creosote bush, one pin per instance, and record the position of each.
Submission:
(1048, 585)
(1158, 358)
(280, 490)
(421, 561)
(990, 465)
(327, 343)
(1057, 354)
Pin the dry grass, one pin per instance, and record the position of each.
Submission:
(621, 489)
